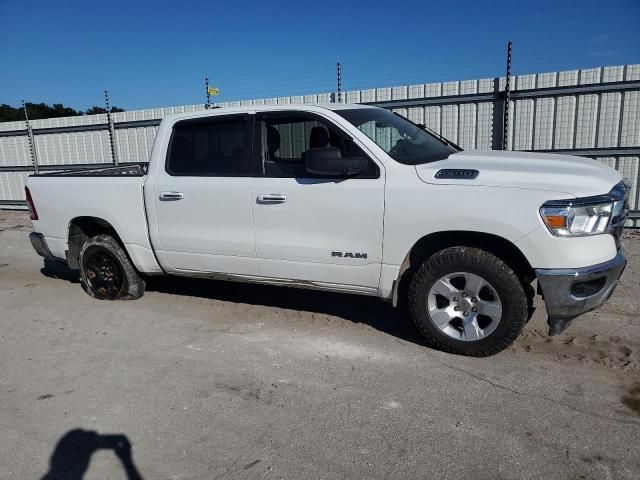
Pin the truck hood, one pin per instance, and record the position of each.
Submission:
(576, 176)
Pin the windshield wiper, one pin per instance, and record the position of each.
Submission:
(436, 134)
(422, 126)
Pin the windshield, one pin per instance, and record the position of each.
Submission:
(404, 141)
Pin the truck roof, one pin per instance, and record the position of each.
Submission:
(261, 108)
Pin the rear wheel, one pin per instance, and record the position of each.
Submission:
(467, 301)
(106, 272)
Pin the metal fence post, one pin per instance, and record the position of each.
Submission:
(32, 143)
(206, 86)
(507, 99)
(339, 83)
(112, 133)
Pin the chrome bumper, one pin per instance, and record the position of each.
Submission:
(569, 293)
(39, 244)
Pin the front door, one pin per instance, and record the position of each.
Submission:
(202, 198)
(311, 228)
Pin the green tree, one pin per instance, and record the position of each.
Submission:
(95, 110)
(10, 114)
(42, 110)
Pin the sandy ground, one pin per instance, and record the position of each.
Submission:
(203, 379)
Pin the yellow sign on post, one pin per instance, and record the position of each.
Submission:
(213, 91)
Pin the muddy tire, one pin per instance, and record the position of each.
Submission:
(106, 273)
(468, 302)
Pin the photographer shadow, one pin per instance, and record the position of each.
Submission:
(71, 458)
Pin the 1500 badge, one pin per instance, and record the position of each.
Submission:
(349, 254)
(457, 173)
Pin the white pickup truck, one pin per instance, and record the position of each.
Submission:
(352, 199)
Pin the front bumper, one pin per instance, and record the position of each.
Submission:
(569, 293)
(39, 244)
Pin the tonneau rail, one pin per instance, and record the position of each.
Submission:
(129, 170)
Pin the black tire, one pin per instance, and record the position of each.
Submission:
(106, 273)
(479, 262)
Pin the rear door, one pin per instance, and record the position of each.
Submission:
(311, 228)
(202, 197)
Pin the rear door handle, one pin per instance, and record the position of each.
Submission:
(270, 199)
(171, 196)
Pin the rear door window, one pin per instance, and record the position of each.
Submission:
(213, 146)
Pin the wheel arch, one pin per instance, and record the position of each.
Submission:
(426, 246)
(80, 230)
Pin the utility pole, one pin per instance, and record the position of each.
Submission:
(32, 144)
(339, 83)
(114, 157)
(507, 100)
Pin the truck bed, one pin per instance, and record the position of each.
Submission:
(112, 194)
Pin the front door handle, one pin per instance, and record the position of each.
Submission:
(171, 196)
(270, 199)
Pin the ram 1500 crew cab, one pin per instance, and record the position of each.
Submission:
(347, 198)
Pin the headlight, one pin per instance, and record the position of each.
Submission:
(580, 217)
(577, 221)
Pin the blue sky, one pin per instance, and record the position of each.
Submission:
(157, 53)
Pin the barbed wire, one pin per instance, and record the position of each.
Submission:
(362, 73)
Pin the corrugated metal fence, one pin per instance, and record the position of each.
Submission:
(591, 112)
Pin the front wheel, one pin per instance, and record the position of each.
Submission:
(106, 272)
(467, 301)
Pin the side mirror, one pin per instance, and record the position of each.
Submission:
(328, 161)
